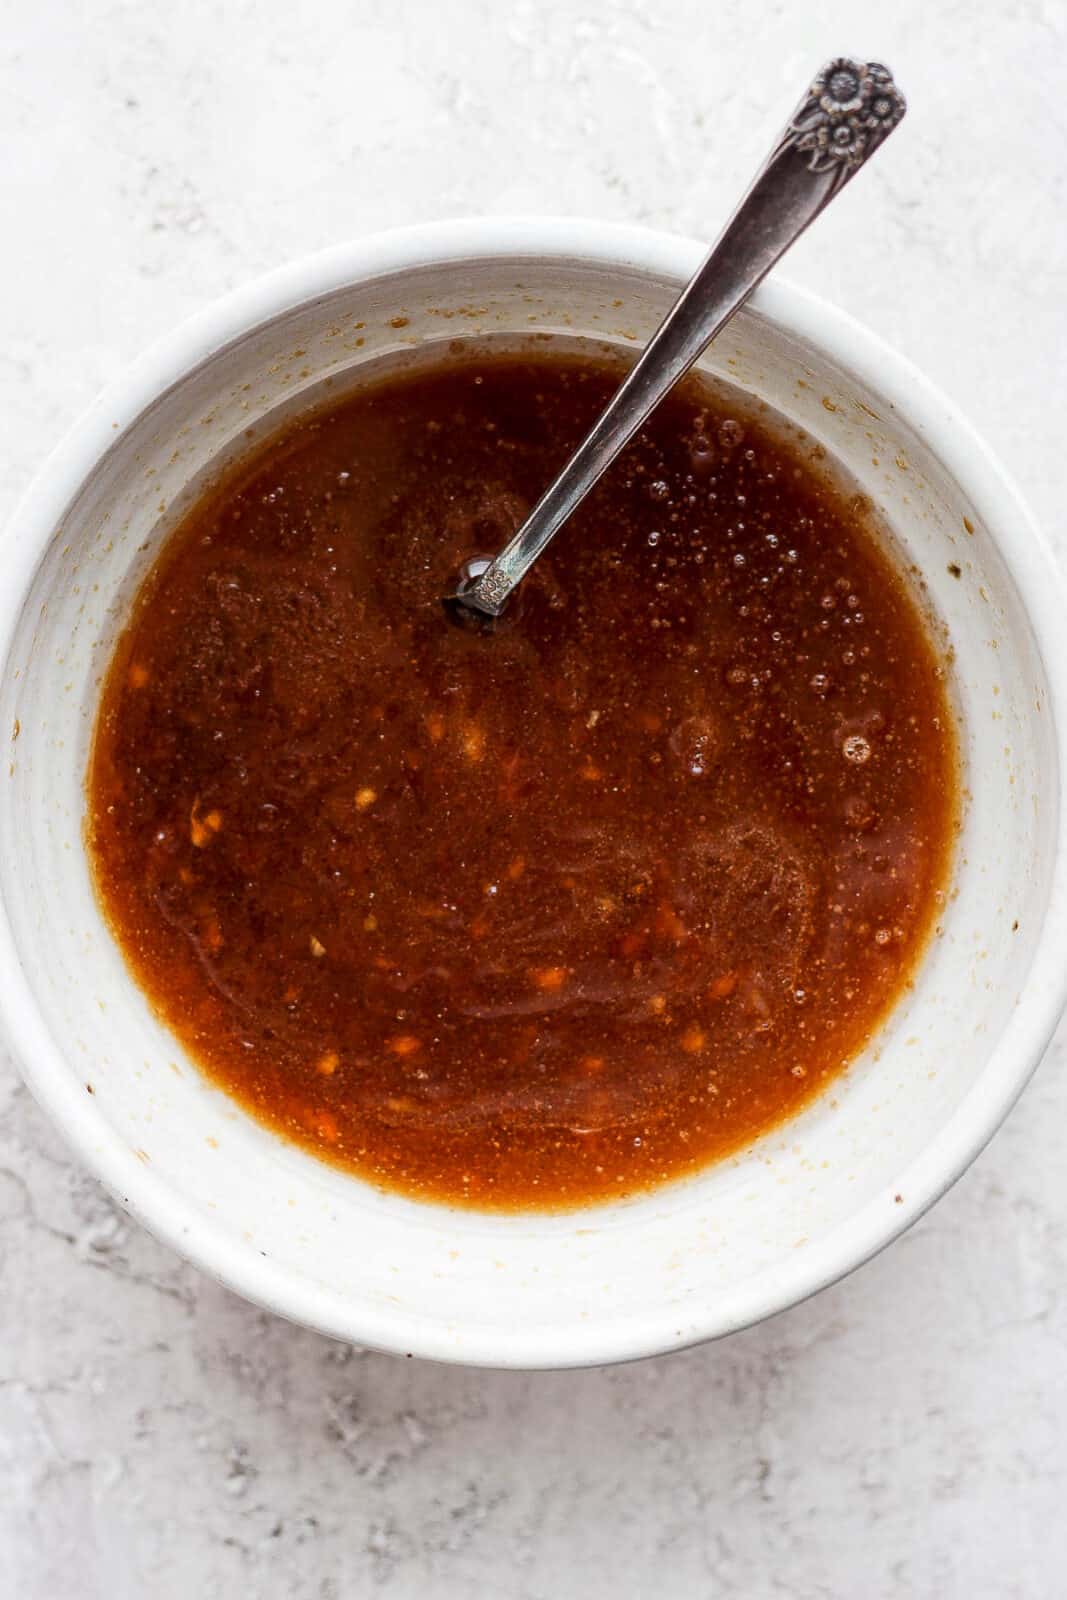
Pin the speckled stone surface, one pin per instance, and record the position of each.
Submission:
(904, 1434)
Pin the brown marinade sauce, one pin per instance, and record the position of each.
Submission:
(547, 917)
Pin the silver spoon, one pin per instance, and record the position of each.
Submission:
(849, 109)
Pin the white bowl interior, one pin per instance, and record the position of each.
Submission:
(681, 1263)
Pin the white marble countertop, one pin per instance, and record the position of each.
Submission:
(905, 1433)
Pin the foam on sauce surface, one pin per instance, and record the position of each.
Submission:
(546, 917)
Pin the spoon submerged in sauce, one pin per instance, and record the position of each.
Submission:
(847, 112)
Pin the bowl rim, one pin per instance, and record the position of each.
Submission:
(161, 1207)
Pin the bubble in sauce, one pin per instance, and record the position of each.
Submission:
(703, 457)
(860, 815)
(856, 748)
(697, 742)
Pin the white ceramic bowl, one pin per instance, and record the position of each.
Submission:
(749, 1236)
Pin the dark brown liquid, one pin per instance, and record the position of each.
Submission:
(550, 916)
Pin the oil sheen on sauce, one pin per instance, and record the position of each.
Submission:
(546, 917)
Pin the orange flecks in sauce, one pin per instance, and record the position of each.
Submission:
(403, 1044)
(325, 1125)
(473, 742)
(203, 826)
(668, 923)
(605, 893)
(548, 979)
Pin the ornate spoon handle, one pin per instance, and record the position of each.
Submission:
(849, 109)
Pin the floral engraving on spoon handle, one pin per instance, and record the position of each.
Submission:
(850, 108)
